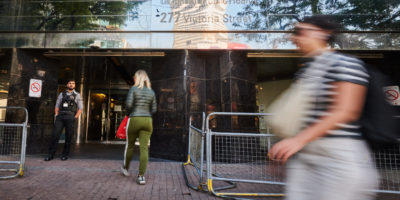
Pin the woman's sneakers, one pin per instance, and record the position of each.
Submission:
(140, 180)
(125, 171)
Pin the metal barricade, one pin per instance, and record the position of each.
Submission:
(388, 166)
(196, 156)
(242, 157)
(13, 134)
(387, 162)
(196, 153)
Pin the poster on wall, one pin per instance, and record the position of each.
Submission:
(35, 88)
(392, 95)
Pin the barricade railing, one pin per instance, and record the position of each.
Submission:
(242, 157)
(196, 156)
(13, 135)
(388, 165)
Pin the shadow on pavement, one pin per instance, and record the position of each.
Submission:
(98, 151)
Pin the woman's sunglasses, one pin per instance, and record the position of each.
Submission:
(297, 30)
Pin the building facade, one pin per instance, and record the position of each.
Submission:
(201, 55)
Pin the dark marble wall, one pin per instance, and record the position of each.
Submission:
(221, 81)
(237, 79)
(168, 82)
(243, 78)
(230, 87)
(196, 87)
(25, 66)
(188, 83)
(389, 66)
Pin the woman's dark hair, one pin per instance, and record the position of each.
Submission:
(324, 22)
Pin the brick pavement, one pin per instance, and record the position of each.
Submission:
(97, 179)
(101, 179)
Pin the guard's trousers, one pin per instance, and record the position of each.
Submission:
(66, 121)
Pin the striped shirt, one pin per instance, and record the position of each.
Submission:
(319, 74)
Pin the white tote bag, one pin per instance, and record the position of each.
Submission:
(288, 111)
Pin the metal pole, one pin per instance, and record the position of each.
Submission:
(81, 88)
(202, 147)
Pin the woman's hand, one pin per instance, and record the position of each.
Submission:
(284, 149)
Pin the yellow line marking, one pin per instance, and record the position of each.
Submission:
(250, 194)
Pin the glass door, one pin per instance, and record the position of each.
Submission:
(106, 111)
(98, 115)
(117, 111)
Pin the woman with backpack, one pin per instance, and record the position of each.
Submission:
(329, 159)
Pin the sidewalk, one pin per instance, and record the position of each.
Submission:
(93, 172)
(96, 179)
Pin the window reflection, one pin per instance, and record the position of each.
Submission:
(353, 14)
(76, 15)
(172, 14)
(355, 40)
(218, 17)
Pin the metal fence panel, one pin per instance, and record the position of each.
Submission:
(196, 146)
(388, 165)
(243, 157)
(239, 156)
(196, 150)
(13, 134)
(196, 156)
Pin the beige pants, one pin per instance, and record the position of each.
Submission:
(332, 169)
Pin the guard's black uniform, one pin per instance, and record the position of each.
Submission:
(65, 118)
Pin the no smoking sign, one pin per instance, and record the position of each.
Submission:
(392, 94)
(35, 88)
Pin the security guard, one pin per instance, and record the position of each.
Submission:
(68, 108)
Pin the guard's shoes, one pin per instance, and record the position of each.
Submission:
(64, 158)
(48, 158)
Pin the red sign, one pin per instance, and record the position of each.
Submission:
(35, 87)
(392, 94)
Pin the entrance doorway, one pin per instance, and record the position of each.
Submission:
(109, 79)
(104, 78)
(105, 112)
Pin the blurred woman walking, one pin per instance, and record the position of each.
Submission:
(329, 159)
